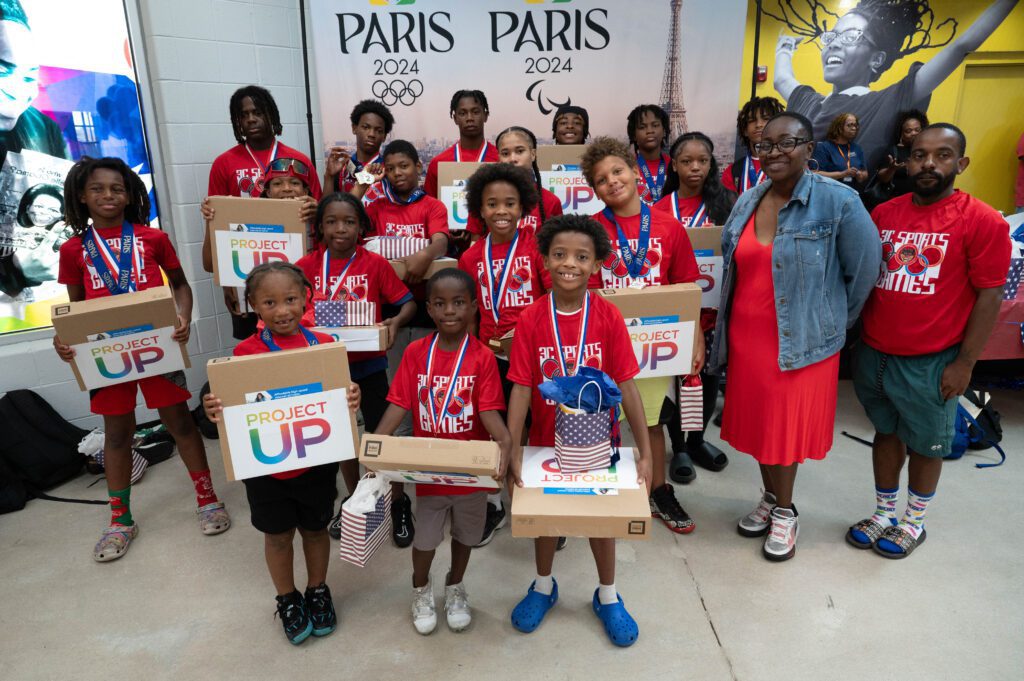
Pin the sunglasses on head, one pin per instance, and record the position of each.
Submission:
(284, 165)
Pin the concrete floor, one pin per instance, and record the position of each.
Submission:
(184, 606)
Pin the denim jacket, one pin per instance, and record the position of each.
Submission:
(826, 258)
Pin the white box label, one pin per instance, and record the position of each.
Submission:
(126, 355)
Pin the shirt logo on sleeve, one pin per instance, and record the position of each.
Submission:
(912, 261)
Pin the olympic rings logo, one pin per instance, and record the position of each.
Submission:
(908, 257)
(397, 91)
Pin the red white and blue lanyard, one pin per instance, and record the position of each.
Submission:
(654, 185)
(359, 166)
(699, 217)
(268, 338)
(104, 262)
(326, 271)
(458, 153)
(497, 293)
(389, 192)
(262, 168)
(584, 323)
(436, 416)
(751, 177)
(634, 261)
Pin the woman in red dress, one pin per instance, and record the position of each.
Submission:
(801, 257)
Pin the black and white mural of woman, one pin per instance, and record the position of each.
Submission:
(859, 46)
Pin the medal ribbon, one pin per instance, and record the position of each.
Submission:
(326, 270)
(263, 168)
(435, 417)
(389, 192)
(634, 261)
(458, 153)
(503, 277)
(751, 177)
(268, 338)
(584, 322)
(654, 185)
(104, 263)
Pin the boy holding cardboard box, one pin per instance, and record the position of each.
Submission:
(114, 251)
(451, 381)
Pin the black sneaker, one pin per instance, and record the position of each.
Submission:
(291, 608)
(321, 609)
(664, 505)
(334, 527)
(496, 519)
(402, 530)
(561, 544)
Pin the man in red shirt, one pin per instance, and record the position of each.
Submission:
(945, 257)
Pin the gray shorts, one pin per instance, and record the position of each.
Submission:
(468, 514)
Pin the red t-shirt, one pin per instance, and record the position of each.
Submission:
(154, 249)
(422, 218)
(448, 155)
(534, 359)
(933, 259)
(729, 182)
(526, 283)
(369, 278)
(531, 222)
(477, 389)
(687, 208)
(254, 346)
(645, 192)
(669, 256)
(233, 173)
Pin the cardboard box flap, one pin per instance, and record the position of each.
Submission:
(678, 299)
(448, 172)
(549, 155)
(706, 239)
(474, 457)
(440, 264)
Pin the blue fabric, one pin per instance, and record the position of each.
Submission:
(831, 157)
(572, 391)
(529, 612)
(826, 258)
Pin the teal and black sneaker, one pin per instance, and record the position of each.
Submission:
(291, 608)
(321, 609)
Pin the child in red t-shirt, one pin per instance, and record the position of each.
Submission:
(660, 256)
(450, 383)
(301, 498)
(371, 124)
(469, 111)
(341, 269)
(518, 146)
(107, 206)
(647, 128)
(694, 195)
(572, 246)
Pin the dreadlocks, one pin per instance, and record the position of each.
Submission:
(476, 95)
(637, 114)
(264, 103)
(76, 215)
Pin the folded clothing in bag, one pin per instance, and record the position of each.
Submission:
(335, 313)
(394, 247)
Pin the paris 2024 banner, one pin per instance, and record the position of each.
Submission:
(528, 57)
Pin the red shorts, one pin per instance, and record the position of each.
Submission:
(159, 391)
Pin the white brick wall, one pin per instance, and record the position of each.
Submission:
(198, 52)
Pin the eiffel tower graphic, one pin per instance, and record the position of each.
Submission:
(672, 79)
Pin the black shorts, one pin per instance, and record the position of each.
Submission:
(305, 501)
(243, 326)
(506, 387)
(374, 388)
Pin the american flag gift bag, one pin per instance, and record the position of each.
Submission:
(583, 440)
(395, 247)
(334, 313)
(365, 520)
(691, 402)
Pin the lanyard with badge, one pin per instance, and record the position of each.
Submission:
(699, 217)
(436, 416)
(634, 261)
(458, 153)
(497, 293)
(268, 338)
(104, 262)
(563, 363)
(654, 185)
(331, 292)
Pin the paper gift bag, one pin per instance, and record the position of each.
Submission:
(395, 247)
(691, 402)
(365, 520)
(583, 442)
(336, 313)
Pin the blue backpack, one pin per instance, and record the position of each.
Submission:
(976, 433)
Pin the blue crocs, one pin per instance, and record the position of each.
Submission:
(618, 624)
(530, 611)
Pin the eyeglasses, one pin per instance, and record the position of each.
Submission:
(785, 145)
(850, 36)
(282, 165)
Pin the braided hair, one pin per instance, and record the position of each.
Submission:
(340, 197)
(264, 103)
(717, 198)
(258, 273)
(637, 115)
(76, 213)
(532, 139)
(478, 96)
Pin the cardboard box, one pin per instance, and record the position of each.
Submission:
(707, 247)
(457, 463)
(247, 232)
(551, 155)
(503, 345)
(283, 410)
(436, 266)
(358, 338)
(570, 510)
(560, 174)
(663, 323)
(121, 338)
(451, 190)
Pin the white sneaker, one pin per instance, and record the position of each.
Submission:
(424, 613)
(756, 523)
(780, 544)
(456, 607)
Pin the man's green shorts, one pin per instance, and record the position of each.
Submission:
(902, 394)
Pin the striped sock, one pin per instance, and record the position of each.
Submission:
(885, 506)
(204, 487)
(913, 518)
(120, 507)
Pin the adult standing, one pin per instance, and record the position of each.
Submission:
(801, 256)
(839, 157)
(946, 255)
(240, 171)
(892, 180)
